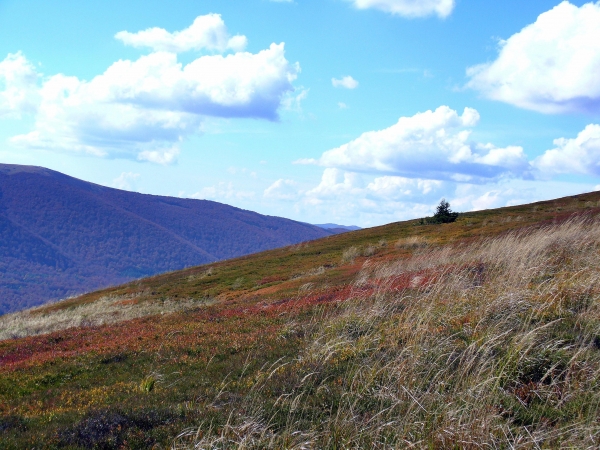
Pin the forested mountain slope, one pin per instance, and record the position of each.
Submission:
(62, 236)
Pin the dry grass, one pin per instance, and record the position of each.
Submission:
(310, 273)
(350, 254)
(106, 310)
(411, 242)
(494, 345)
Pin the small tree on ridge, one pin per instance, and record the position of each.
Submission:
(443, 213)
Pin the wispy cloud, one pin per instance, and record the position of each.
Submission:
(126, 181)
(224, 192)
(409, 8)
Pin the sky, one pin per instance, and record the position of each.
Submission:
(359, 112)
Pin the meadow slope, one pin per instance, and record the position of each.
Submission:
(480, 333)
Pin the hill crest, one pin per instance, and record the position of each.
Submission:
(63, 236)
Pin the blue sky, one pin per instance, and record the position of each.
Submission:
(349, 111)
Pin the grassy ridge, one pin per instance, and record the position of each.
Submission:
(311, 344)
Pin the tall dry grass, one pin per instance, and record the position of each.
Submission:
(106, 310)
(493, 345)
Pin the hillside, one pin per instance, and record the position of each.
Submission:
(479, 333)
(62, 236)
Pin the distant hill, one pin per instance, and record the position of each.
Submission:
(337, 229)
(60, 236)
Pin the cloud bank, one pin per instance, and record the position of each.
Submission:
(402, 171)
(143, 109)
(550, 66)
(409, 8)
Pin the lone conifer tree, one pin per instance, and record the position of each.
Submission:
(443, 213)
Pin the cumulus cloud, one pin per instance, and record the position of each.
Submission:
(283, 190)
(349, 196)
(345, 82)
(143, 109)
(550, 66)
(337, 183)
(18, 81)
(432, 145)
(403, 171)
(206, 33)
(126, 180)
(401, 187)
(409, 8)
(580, 155)
(161, 156)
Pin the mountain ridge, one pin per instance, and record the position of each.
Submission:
(64, 236)
(335, 226)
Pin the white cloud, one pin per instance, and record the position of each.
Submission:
(283, 190)
(337, 183)
(403, 171)
(550, 66)
(345, 82)
(126, 181)
(573, 156)
(207, 32)
(431, 145)
(348, 196)
(161, 156)
(409, 8)
(342, 105)
(222, 191)
(401, 187)
(143, 109)
(18, 78)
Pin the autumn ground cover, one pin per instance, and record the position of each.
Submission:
(483, 332)
(490, 345)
